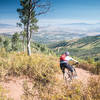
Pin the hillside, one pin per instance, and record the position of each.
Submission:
(38, 77)
(15, 85)
(84, 47)
(52, 37)
(6, 42)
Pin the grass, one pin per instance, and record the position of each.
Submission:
(38, 66)
(3, 93)
(42, 69)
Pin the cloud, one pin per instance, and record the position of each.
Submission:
(65, 21)
(56, 26)
(69, 26)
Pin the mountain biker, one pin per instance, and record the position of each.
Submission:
(64, 62)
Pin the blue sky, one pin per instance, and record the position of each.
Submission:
(84, 10)
(75, 9)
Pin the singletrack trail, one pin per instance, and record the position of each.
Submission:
(82, 75)
(14, 85)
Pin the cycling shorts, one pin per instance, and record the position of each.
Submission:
(65, 65)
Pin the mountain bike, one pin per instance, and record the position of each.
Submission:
(68, 75)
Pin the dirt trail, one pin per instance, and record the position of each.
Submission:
(14, 85)
(83, 75)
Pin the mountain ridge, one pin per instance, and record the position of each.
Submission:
(84, 47)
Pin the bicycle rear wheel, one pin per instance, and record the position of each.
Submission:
(67, 76)
(74, 72)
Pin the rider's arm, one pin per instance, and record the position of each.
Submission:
(74, 60)
(68, 58)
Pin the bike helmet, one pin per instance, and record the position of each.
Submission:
(67, 53)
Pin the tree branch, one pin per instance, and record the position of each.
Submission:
(44, 8)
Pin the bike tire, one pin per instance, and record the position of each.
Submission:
(67, 77)
(74, 71)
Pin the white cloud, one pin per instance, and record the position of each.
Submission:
(65, 21)
(58, 26)
(69, 26)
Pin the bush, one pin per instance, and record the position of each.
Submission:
(93, 89)
(87, 66)
(98, 67)
(39, 67)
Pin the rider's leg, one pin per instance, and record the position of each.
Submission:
(63, 69)
(70, 69)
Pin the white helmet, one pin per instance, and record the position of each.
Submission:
(67, 53)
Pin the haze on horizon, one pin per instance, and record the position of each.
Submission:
(73, 16)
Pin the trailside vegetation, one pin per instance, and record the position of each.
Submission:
(44, 70)
(18, 44)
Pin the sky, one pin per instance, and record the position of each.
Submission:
(84, 10)
(61, 12)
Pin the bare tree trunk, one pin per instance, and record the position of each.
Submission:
(28, 39)
(29, 48)
(28, 32)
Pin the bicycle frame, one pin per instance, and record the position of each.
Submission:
(68, 75)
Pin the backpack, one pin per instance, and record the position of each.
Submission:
(62, 57)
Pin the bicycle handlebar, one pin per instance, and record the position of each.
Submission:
(75, 63)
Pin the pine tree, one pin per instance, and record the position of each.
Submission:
(27, 14)
(23, 34)
(6, 44)
(15, 40)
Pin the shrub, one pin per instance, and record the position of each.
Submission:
(98, 67)
(40, 67)
(93, 89)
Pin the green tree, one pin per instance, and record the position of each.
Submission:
(15, 40)
(23, 34)
(6, 44)
(1, 40)
(27, 14)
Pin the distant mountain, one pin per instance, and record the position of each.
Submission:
(6, 35)
(55, 32)
(8, 29)
(79, 24)
(84, 47)
(52, 37)
(6, 26)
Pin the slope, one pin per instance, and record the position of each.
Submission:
(85, 47)
(15, 85)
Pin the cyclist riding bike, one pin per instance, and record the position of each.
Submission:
(64, 62)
